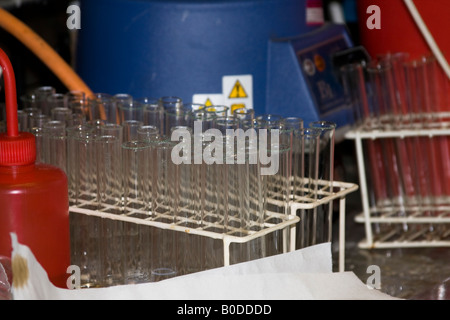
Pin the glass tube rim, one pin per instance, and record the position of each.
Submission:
(323, 125)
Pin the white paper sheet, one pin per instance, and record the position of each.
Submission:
(302, 275)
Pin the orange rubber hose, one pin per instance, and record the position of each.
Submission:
(44, 52)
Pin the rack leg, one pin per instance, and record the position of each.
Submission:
(342, 234)
(364, 191)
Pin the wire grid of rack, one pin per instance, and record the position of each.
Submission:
(430, 225)
(234, 233)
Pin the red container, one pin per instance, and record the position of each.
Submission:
(34, 200)
(399, 32)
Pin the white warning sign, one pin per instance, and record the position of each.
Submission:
(208, 99)
(238, 91)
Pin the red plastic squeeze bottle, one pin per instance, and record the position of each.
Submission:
(34, 200)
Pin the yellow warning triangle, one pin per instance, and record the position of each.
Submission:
(238, 91)
(208, 103)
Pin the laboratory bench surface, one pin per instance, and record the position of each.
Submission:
(406, 273)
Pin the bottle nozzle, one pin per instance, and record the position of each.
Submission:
(16, 148)
(11, 95)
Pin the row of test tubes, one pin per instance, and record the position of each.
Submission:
(184, 164)
(408, 176)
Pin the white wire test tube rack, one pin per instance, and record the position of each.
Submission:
(428, 225)
(273, 221)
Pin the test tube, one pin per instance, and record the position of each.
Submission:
(152, 113)
(426, 165)
(109, 199)
(42, 94)
(212, 182)
(189, 245)
(56, 100)
(85, 230)
(276, 177)
(36, 123)
(31, 112)
(270, 120)
(306, 189)
(228, 172)
(165, 209)
(37, 120)
(109, 168)
(102, 107)
(22, 118)
(190, 110)
(202, 118)
(174, 116)
(216, 111)
(130, 110)
(30, 100)
(130, 130)
(55, 144)
(289, 126)
(251, 204)
(326, 157)
(82, 165)
(323, 215)
(62, 114)
(76, 101)
(137, 203)
(148, 133)
(354, 83)
(244, 113)
(438, 145)
(169, 102)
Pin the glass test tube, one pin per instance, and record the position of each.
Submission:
(152, 113)
(85, 230)
(76, 101)
(36, 123)
(109, 199)
(215, 111)
(323, 215)
(130, 129)
(62, 114)
(169, 102)
(228, 173)
(29, 100)
(211, 197)
(251, 204)
(55, 144)
(276, 177)
(42, 94)
(424, 151)
(148, 133)
(165, 209)
(102, 107)
(137, 203)
(173, 117)
(393, 150)
(30, 113)
(130, 110)
(190, 110)
(290, 125)
(56, 100)
(244, 113)
(188, 245)
(308, 171)
(109, 168)
(22, 118)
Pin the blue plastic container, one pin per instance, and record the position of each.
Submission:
(167, 47)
